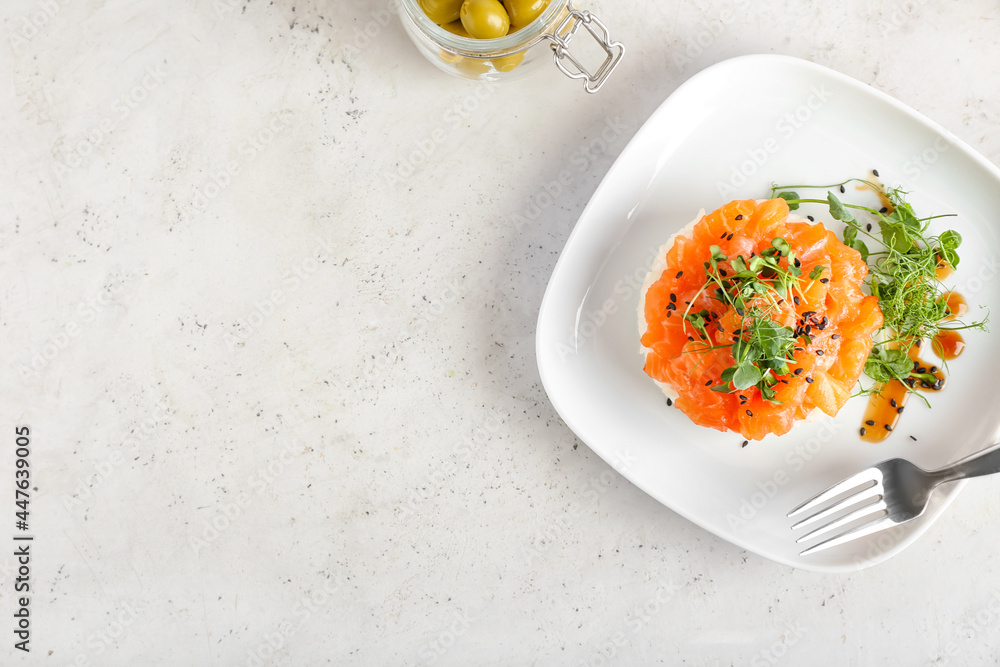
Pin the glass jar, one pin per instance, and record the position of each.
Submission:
(518, 53)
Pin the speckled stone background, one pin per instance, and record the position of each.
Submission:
(280, 376)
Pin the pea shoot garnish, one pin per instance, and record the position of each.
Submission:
(904, 258)
(755, 288)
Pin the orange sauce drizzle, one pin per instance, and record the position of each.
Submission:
(886, 404)
(888, 400)
(957, 306)
(880, 191)
(948, 344)
(884, 409)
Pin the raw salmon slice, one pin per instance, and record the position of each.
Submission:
(842, 321)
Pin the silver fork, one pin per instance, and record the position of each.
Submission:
(888, 494)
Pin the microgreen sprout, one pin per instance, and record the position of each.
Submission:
(754, 288)
(903, 261)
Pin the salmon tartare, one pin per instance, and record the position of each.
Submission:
(754, 319)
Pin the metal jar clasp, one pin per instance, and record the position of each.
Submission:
(561, 38)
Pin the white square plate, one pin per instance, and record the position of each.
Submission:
(727, 133)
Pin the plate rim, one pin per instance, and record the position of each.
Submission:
(547, 370)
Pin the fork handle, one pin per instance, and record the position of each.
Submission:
(986, 462)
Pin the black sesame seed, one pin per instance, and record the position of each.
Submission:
(808, 314)
(810, 380)
(723, 235)
(722, 272)
(819, 353)
(671, 306)
(745, 442)
(835, 336)
(673, 298)
(739, 311)
(875, 172)
(798, 371)
(868, 227)
(797, 262)
(870, 422)
(922, 369)
(899, 410)
(862, 431)
(892, 402)
(795, 300)
(691, 339)
(749, 414)
(669, 313)
(824, 280)
(842, 190)
(669, 402)
(811, 219)
(888, 427)
(708, 383)
(913, 438)
(742, 397)
(739, 217)
(933, 369)
(729, 238)
(679, 274)
(884, 209)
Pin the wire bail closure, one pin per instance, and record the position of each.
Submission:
(562, 36)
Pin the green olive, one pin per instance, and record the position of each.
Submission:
(441, 11)
(523, 12)
(477, 67)
(474, 67)
(456, 28)
(485, 19)
(508, 63)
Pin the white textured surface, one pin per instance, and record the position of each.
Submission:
(336, 369)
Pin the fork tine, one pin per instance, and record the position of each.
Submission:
(871, 475)
(859, 513)
(863, 530)
(862, 497)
